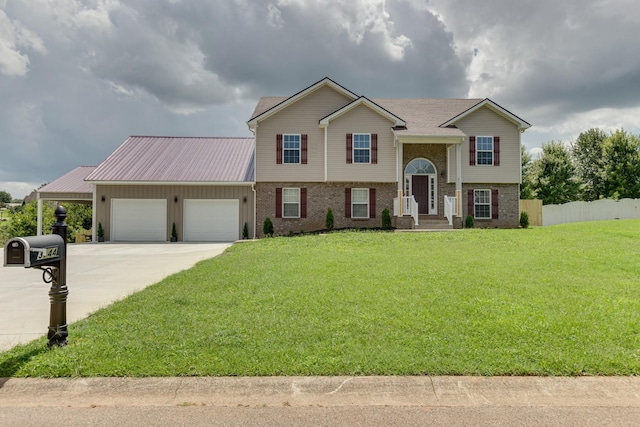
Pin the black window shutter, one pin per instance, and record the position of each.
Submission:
(279, 149)
(494, 204)
(496, 151)
(278, 202)
(470, 203)
(472, 151)
(372, 203)
(347, 203)
(303, 149)
(374, 148)
(303, 202)
(349, 148)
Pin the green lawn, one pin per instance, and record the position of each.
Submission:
(562, 300)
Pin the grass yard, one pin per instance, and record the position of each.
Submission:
(562, 300)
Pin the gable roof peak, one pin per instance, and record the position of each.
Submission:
(326, 81)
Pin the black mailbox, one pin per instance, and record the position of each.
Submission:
(33, 251)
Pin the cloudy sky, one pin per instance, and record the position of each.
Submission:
(79, 76)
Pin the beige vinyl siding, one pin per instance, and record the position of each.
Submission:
(174, 210)
(485, 122)
(361, 120)
(301, 117)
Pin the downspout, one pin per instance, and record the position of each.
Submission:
(253, 185)
(326, 153)
(255, 205)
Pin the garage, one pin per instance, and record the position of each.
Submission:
(139, 220)
(211, 220)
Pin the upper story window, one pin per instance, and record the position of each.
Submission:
(291, 148)
(361, 148)
(484, 150)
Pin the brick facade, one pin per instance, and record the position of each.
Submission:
(320, 197)
(508, 205)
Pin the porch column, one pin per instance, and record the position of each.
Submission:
(39, 233)
(399, 168)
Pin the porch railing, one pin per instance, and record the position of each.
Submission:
(450, 208)
(409, 208)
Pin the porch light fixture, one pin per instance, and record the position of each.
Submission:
(102, 198)
(244, 199)
(175, 199)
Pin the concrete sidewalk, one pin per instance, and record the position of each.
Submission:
(582, 401)
(97, 275)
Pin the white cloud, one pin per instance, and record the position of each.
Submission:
(15, 39)
(274, 17)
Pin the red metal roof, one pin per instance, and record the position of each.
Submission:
(71, 182)
(178, 159)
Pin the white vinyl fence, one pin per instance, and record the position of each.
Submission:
(591, 211)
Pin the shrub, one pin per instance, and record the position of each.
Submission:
(267, 228)
(328, 221)
(100, 230)
(386, 219)
(468, 222)
(245, 231)
(524, 219)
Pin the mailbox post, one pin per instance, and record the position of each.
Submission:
(48, 253)
(58, 332)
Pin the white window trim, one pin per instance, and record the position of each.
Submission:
(290, 203)
(482, 204)
(284, 136)
(485, 151)
(368, 203)
(353, 148)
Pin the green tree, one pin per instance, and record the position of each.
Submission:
(588, 155)
(526, 188)
(553, 175)
(4, 198)
(621, 151)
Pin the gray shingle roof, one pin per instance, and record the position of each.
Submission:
(423, 116)
(179, 159)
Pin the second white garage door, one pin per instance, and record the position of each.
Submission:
(139, 220)
(211, 220)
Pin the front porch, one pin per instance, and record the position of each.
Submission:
(429, 185)
(408, 216)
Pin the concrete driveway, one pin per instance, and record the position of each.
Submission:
(97, 275)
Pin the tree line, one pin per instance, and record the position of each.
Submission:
(597, 165)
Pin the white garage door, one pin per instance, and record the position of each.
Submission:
(139, 220)
(211, 220)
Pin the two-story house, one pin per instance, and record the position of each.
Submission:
(423, 159)
(426, 160)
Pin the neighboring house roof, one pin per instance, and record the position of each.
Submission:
(268, 106)
(168, 159)
(71, 182)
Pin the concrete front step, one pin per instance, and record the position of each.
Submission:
(426, 222)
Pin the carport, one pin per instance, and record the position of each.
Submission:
(71, 187)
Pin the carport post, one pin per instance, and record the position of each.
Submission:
(58, 293)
